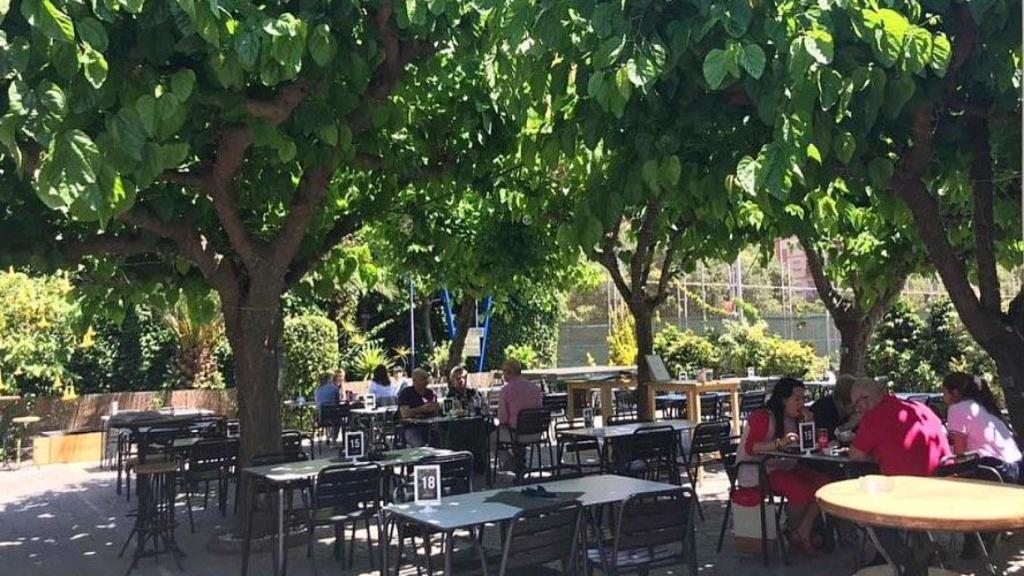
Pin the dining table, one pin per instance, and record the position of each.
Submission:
(606, 435)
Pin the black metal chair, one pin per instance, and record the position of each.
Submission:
(331, 420)
(345, 495)
(541, 536)
(710, 407)
(707, 440)
(468, 434)
(557, 404)
(210, 460)
(578, 448)
(650, 453)
(625, 410)
(652, 531)
(531, 435)
(762, 493)
(750, 401)
(291, 443)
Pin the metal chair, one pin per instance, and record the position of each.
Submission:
(532, 433)
(650, 453)
(210, 460)
(707, 439)
(710, 407)
(541, 536)
(652, 531)
(258, 489)
(291, 443)
(576, 446)
(342, 495)
(331, 420)
(750, 401)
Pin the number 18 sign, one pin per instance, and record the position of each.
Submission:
(428, 484)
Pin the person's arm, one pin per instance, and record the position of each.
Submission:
(956, 424)
(503, 412)
(757, 434)
(864, 443)
(958, 442)
(858, 455)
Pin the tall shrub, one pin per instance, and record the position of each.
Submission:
(136, 354)
(685, 351)
(744, 344)
(622, 347)
(898, 351)
(529, 318)
(310, 351)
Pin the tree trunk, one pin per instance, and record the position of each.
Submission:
(254, 333)
(644, 330)
(854, 337)
(463, 322)
(425, 320)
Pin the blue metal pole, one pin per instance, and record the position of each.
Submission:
(487, 329)
(412, 326)
(448, 315)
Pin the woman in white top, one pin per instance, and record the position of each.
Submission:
(381, 388)
(975, 425)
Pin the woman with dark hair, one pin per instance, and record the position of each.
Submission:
(773, 428)
(380, 386)
(975, 425)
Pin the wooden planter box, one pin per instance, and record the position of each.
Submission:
(54, 448)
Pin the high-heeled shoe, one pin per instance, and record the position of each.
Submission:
(804, 545)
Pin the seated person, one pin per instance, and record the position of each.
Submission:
(399, 381)
(328, 392)
(417, 401)
(773, 428)
(834, 411)
(904, 438)
(517, 394)
(457, 388)
(380, 386)
(975, 425)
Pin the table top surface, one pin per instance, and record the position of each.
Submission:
(572, 371)
(292, 471)
(620, 430)
(440, 419)
(841, 458)
(152, 418)
(26, 419)
(375, 411)
(476, 508)
(952, 505)
(727, 385)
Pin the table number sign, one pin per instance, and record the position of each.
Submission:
(448, 406)
(355, 445)
(370, 402)
(807, 437)
(427, 490)
(588, 417)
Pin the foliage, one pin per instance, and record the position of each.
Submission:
(363, 350)
(525, 354)
(135, 355)
(438, 359)
(622, 349)
(530, 318)
(310, 352)
(684, 351)
(900, 351)
(36, 333)
(198, 329)
(744, 345)
(367, 359)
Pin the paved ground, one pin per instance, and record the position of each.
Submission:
(66, 519)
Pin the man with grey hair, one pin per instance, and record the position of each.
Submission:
(834, 412)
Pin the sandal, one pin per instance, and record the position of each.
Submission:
(804, 545)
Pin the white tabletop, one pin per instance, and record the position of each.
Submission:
(621, 430)
(376, 411)
(292, 471)
(580, 371)
(472, 509)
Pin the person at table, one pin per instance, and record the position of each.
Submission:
(903, 438)
(457, 388)
(399, 381)
(834, 412)
(380, 386)
(328, 392)
(975, 425)
(517, 394)
(339, 381)
(774, 428)
(417, 401)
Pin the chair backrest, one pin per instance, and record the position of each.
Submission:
(533, 421)
(556, 403)
(463, 433)
(656, 447)
(456, 472)
(710, 437)
(348, 487)
(291, 442)
(659, 373)
(938, 406)
(728, 455)
(570, 442)
(656, 519)
(750, 401)
(333, 414)
(540, 536)
(232, 427)
(710, 406)
(212, 454)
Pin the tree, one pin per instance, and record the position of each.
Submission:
(236, 142)
(634, 137)
(919, 102)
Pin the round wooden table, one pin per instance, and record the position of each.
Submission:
(924, 504)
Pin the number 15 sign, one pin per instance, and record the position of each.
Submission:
(428, 484)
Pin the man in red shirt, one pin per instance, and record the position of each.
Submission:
(903, 438)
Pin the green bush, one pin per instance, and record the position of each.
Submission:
(622, 349)
(745, 344)
(310, 352)
(949, 347)
(135, 355)
(899, 350)
(526, 355)
(684, 351)
(528, 318)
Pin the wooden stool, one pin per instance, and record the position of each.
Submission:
(154, 519)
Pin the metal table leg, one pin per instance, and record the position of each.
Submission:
(279, 567)
(449, 536)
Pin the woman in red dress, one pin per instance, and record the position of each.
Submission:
(775, 427)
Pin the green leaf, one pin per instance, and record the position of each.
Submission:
(286, 150)
(941, 53)
(890, 30)
(670, 172)
(753, 60)
(94, 66)
(247, 48)
(93, 33)
(845, 145)
(173, 155)
(129, 133)
(737, 17)
(5, 6)
(746, 174)
(135, 6)
(609, 51)
(182, 83)
(52, 97)
(328, 133)
(344, 137)
(645, 69)
(322, 46)
(880, 172)
(830, 84)
(714, 68)
(21, 99)
(813, 153)
(68, 169)
(820, 46)
(651, 175)
(898, 92)
(48, 19)
(146, 107)
(437, 7)
(918, 53)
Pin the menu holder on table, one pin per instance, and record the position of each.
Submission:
(427, 485)
(355, 445)
(807, 437)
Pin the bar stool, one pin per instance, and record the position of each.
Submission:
(156, 486)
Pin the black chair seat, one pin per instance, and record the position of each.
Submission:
(648, 557)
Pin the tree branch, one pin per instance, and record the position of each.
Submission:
(608, 258)
(840, 307)
(666, 263)
(343, 228)
(983, 221)
(109, 245)
(304, 206)
(640, 264)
